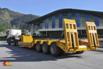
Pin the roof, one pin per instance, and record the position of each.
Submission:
(96, 13)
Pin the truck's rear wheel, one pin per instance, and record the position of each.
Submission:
(54, 50)
(45, 48)
(9, 41)
(38, 47)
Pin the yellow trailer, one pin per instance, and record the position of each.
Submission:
(70, 43)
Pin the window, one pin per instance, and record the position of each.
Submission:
(46, 25)
(60, 21)
(70, 15)
(40, 26)
(78, 20)
(57, 21)
(53, 22)
(65, 15)
(43, 25)
(97, 21)
(87, 17)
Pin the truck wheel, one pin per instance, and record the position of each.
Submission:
(45, 48)
(38, 47)
(13, 43)
(9, 43)
(54, 50)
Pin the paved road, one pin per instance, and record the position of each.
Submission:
(22, 58)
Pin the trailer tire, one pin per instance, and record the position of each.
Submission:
(54, 50)
(38, 47)
(45, 48)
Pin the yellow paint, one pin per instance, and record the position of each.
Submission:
(93, 40)
(70, 34)
(26, 39)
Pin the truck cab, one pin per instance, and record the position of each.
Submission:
(13, 36)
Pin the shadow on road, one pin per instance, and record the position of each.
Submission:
(100, 51)
(29, 55)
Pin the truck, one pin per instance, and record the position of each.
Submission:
(70, 43)
(13, 36)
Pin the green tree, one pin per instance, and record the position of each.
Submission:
(3, 26)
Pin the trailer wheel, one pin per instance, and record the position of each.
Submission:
(45, 48)
(38, 47)
(54, 50)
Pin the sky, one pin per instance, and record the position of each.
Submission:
(42, 7)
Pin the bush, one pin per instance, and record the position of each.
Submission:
(3, 26)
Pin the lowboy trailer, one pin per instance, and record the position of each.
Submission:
(69, 44)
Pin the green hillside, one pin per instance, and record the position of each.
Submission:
(9, 17)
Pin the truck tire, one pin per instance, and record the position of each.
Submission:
(9, 43)
(13, 43)
(45, 48)
(54, 50)
(38, 47)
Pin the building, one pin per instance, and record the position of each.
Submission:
(52, 23)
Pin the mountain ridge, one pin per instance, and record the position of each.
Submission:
(9, 17)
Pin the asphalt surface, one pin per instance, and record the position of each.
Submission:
(22, 58)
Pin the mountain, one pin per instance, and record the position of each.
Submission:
(20, 21)
(9, 17)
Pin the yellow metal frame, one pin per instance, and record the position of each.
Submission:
(26, 41)
(71, 41)
(92, 35)
(42, 41)
(70, 32)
